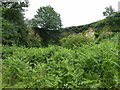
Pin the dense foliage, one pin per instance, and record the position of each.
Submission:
(89, 66)
(14, 34)
(14, 29)
(75, 40)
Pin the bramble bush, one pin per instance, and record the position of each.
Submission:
(89, 66)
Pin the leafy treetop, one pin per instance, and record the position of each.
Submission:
(47, 18)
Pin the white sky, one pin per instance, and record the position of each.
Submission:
(74, 12)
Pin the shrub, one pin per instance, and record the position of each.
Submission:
(75, 40)
(112, 36)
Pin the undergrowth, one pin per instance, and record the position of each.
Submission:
(93, 65)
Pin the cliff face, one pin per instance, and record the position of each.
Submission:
(90, 33)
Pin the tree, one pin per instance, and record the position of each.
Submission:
(12, 11)
(109, 11)
(13, 26)
(48, 23)
(47, 19)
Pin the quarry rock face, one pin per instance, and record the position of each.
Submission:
(90, 33)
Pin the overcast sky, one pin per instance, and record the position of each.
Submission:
(74, 12)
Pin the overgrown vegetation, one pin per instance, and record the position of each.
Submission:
(52, 57)
(89, 66)
(75, 40)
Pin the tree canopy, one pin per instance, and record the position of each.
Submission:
(47, 18)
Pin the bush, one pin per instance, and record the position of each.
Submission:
(75, 40)
(111, 36)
